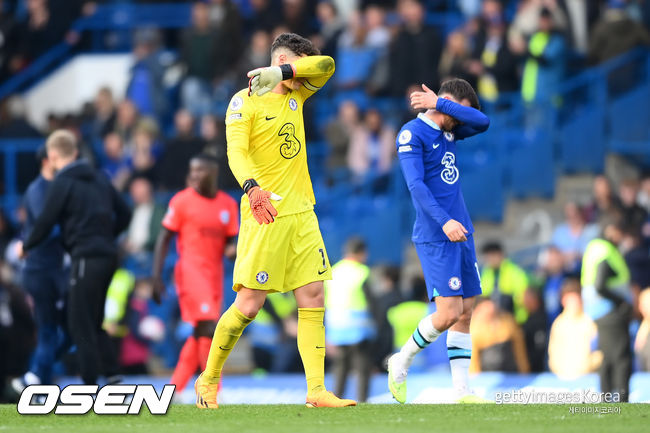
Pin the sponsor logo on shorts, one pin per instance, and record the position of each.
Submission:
(293, 104)
(262, 277)
(454, 283)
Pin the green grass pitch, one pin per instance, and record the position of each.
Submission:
(362, 419)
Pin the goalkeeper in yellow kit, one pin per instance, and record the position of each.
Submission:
(280, 247)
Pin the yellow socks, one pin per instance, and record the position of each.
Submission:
(311, 345)
(229, 329)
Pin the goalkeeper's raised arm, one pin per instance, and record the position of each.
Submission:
(267, 117)
(311, 71)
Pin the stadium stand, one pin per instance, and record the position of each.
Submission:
(597, 112)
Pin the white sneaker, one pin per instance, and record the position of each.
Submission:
(19, 384)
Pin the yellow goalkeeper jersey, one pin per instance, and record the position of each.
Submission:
(266, 139)
(269, 132)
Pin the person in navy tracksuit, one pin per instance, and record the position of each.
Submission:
(44, 277)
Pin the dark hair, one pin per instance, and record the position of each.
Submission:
(391, 273)
(296, 44)
(41, 154)
(206, 157)
(419, 290)
(570, 285)
(492, 247)
(460, 89)
(355, 245)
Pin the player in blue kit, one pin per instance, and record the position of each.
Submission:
(442, 232)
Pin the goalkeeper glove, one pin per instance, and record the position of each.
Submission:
(263, 80)
(261, 207)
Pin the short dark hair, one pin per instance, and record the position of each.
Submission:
(391, 273)
(570, 285)
(355, 245)
(460, 89)
(296, 44)
(492, 247)
(206, 157)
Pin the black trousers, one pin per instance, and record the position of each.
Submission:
(359, 357)
(89, 281)
(614, 342)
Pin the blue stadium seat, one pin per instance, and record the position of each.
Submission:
(530, 164)
(581, 141)
(629, 123)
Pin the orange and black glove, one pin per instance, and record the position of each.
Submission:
(260, 202)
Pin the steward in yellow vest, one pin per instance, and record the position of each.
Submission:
(349, 321)
(606, 295)
(504, 282)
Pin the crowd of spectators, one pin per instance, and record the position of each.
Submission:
(533, 320)
(383, 50)
(144, 139)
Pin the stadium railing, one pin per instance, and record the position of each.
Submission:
(10, 152)
(602, 110)
(121, 16)
(130, 16)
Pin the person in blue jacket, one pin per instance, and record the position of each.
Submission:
(44, 277)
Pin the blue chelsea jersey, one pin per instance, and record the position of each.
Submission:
(428, 159)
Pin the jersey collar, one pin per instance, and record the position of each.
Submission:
(428, 121)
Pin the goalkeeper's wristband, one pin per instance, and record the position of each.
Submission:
(287, 71)
(248, 184)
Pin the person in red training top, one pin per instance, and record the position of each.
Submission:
(206, 222)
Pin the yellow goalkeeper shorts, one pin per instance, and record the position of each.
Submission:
(282, 256)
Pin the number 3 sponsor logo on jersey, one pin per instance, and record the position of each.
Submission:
(291, 146)
(450, 173)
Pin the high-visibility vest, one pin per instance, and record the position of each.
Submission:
(513, 282)
(263, 331)
(283, 303)
(404, 318)
(117, 298)
(597, 251)
(536, 46)
(347, 319)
